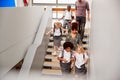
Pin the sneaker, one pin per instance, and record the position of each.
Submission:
(60, 48)
(54, 53)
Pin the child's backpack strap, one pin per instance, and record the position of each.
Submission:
(83, 56)
(61, 31)
(71, 54)
(62, 56)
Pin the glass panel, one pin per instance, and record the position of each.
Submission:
(54, 14)
(66, 1)
(44, 1)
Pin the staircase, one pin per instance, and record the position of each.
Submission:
(51, 64)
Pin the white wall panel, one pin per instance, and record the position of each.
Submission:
(18, 27)
(105, 40)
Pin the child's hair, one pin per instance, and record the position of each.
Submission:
(74, 26)
(68, 44)
(80, 48)
(69, 6)
(57, 23)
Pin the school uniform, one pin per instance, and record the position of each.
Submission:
(79, 61)
(65, 66)
(67, 19)
(57, 37)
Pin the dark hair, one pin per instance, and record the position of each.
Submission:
(68, 5)
(68, 44)
(74, 26)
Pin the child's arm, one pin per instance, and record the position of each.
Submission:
(49, 32)
(72, 62)
(61, 18)
(86, 58)
(62, 59)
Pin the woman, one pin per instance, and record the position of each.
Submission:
(73, 36)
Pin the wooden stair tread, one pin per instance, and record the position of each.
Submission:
(52, 71)
(52, 63)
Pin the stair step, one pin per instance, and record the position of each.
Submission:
(51, 39)
(49, 53)
(47, 67)
(85, 39)
(52, 63)
(51, 71)
(47, 59)
(50, 50)
(85, 45)
(63, 35)
(53, 58)
(51, 44)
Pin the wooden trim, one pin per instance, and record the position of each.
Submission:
(61, 9)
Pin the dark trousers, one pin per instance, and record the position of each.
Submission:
(80, 74)
(65, 67)
(81, 20)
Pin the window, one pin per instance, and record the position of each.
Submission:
(55, 1)
(66, 1)
(45, 1)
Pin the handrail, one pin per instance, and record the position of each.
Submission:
(32, 49)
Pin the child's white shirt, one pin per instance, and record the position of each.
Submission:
(57, 32)
(67, 15)
(79, 60)
(67, 55)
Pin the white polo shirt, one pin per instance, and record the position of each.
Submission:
(79, 59)
(67, 15)
(66, 55)
(57, 32)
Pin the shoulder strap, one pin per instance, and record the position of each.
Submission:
(70, 54)
(83, 56)
(54, 29)
(62, 56)
(61, 31)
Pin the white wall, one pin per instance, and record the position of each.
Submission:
(18, 27)
(19, 3)
(105, 40)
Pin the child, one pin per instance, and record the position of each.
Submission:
(57, 36)
(65, 58)
(67, 16)
(80, 59)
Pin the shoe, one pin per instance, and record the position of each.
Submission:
(54, 53)
(60, 48)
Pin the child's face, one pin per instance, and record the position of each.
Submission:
(68, 8)
(68, 49)
(79, 51)
(74, 31)
(57, 25)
